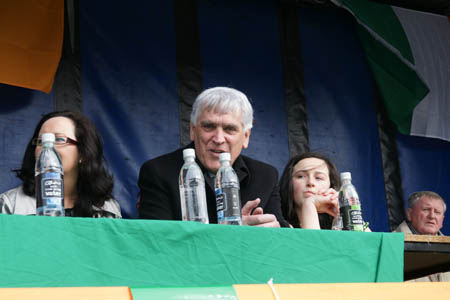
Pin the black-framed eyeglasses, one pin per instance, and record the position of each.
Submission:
(60, 140)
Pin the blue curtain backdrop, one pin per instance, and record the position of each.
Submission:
(425, 165)
(129, 85)
(341, 107)
(130, 90)
(20, 111)
(240, 47)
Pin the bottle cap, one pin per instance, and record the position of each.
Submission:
(224, 156)
(48, 137)
(188, 152)
(346, 175)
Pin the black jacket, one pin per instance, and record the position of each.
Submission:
(160, 195)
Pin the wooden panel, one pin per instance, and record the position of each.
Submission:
(68, 293)
(347, 291)
(427, 238)
(425, 255)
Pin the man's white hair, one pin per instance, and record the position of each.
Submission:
(224, 100)
(414, 197)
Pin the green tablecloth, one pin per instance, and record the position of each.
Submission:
(56, 252)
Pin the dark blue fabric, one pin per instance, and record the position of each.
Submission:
(340, 105)
(240, 48)
(129, 85)
(20, 111)
(130, 90)
(425, 166)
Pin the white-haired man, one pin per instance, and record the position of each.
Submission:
(221, 121)
(425, 215)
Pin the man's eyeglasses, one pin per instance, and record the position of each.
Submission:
(60, 140)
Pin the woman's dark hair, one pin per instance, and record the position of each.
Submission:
(94, 183)
(287, 191)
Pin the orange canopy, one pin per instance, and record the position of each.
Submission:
(31, 35)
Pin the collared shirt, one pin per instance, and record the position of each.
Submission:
(415, 231)
(239, 167)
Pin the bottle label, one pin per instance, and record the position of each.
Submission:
(51, 185)
(50, 194)
(219, 200)
(184, 205)
(352, 217)
(219, 205)
(191, 193)
(231, 202)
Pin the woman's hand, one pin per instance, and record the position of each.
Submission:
(309, 206)
(326, 202)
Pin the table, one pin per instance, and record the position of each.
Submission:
(425, 255)
(84, 252)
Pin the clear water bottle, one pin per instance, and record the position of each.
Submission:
(349, 204)
(192, 190)
(228, 197)
(337, 221)
(49, 179)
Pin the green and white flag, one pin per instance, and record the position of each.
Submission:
(409, 53)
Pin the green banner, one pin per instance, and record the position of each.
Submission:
(57, 252)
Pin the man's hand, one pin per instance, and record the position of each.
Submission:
(258, 217)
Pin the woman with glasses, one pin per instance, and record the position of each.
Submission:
(87, 184)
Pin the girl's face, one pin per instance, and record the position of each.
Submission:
(62, 126)
(309, 177)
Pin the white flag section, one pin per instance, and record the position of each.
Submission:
(429, 39)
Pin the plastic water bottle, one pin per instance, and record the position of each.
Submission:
(49, 179)
(337, 221)
(192, 190)
(228, 198)
(349, 204)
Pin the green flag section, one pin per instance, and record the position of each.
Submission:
(382, 23)
(399, 85)
(84, 252)
(390, 57)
